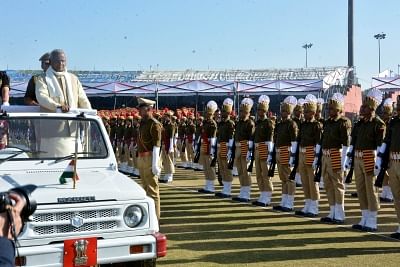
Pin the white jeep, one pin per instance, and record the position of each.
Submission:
(106, 219)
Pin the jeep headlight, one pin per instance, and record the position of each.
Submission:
(133, 215)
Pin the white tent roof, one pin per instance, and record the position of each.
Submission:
(386, 83)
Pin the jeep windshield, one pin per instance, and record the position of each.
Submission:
(50, 138)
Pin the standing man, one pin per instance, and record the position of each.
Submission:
(149, 142)
(199, 127)
(244, 132)
(298, 117)
(309, 138)
(30, 94)
(226, 129)
(167, 152)
(5, 88)
(58, 88)
(208, 146)
(285, 139)
(392, 143)
(335, 143)
(262, 148)
(182, 124)
(368, 139)
(386, 195)
(190, 137)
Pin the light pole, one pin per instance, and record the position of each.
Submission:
(379, 37)
(306, 47)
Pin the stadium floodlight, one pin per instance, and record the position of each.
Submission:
(306, 47)
(379, 37)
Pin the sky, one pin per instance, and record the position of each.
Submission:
(199, 34)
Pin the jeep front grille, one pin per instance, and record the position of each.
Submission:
(60, 222)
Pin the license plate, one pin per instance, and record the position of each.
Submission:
(80, 252)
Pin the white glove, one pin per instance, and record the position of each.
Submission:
(314, 164)
(270, 146)
(213, 144)
(347, 161)
(344, 154)
(269, 159)
(229, 155)
(171, 145)
(378, 166)
(155, 164)
(248, 156)
(291, 162)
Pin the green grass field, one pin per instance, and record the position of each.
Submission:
(206, 231)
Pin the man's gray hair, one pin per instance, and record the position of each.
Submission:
(56, 52)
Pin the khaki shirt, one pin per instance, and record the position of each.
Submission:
(244, 130)
(226, 130)
(310, 133)
(209, 129)
(393, 134)
(369, 134)
(149, 135)
(264, 130)
(286, 131)
(336, 133)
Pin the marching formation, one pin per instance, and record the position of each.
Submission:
(304, 149)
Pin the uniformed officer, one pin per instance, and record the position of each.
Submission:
(285, 140)
(113, 132)
(298, 117)
(262, 147)
(199, 126)
(226, 129)
(208, 146)
(244, 141)
(386, 195)
(309, 137)
(392, 143)
(120, 137)
(127, 142)
(190, 137)
(335, 143)
(149, 142)
(181, 144)
(319, 116)
(167, 151)
(133, 170)
(368, 139)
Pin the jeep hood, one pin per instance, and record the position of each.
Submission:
(100, 184)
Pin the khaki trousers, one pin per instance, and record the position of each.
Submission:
(288, 186)
(189, 150)
(264, 182)
(394, 182)
(310, 188)
(367, 193)
(209, 172)
(226, 174)
(167, 160)
(125, 157)
(333, 182)
(241, 164)
(149, 181)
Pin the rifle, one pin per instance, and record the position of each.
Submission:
(214, 159)
(197, 155)
(292, 175)
(232, 159)
(271, 170)
(385, 162)
(250, 168)
(318, 170)
(349, 176)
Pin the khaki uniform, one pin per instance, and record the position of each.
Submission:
(226, 129)
(167, 157)
(149, 136)
(244, 131)
(336, 134)
(394, 167)
(263, 133)
(181, 141)
(119, 136)
(309, 136)
(285, 132)
(190, 131)
(128, 135)
(209, 130)
(368, 136)
(133, 148)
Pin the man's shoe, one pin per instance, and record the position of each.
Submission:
(326, 220)
(338, 221)
(286, 209)
(385, 200)
(395, 235)
(239, 199)
(277, 208)
(259, 204)
(204, 191)
(222, 195)
(299, 213)
(357, 227)
(369, 229)
(310, 215)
